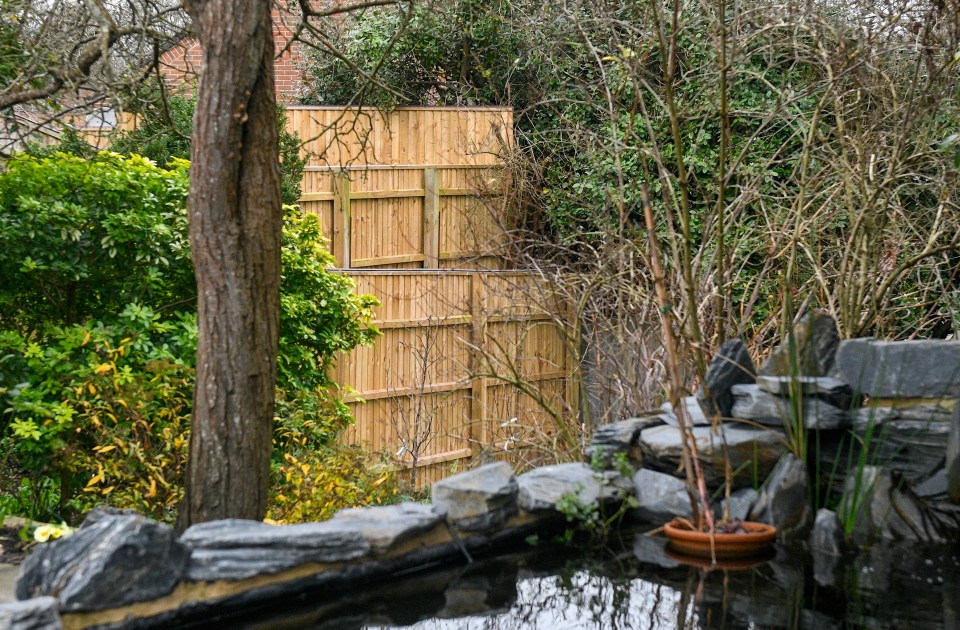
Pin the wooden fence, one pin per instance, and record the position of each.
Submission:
(469, 363)
(433, 216)
(341, 137)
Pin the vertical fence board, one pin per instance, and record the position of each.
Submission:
(431, 219)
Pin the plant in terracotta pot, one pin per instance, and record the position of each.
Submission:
(702, 535)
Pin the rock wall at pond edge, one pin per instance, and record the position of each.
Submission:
(900, 399)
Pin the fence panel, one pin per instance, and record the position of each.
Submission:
(341, 137)
(409, 216)
(460, 368)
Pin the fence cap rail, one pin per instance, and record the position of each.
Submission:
(394, 167)
(435, 272)
(404, 108)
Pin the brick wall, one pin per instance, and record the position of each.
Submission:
(180, 65)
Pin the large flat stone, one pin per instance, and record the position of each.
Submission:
(828, 389)
(753, 451)
(234, 549)
(900, 369)
(660, 497)
(478, 499)
(695, 413)
(753, 403)
(620, 437)
(811, 350)
(542, 488)
(731, 366)
(388, 525)
(910, 438)
(39, 613)
(117, 561)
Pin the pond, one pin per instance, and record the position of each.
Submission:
(633, 584)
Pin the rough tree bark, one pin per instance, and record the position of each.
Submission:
(235, 223)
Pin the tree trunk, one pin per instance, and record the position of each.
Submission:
(235, 223)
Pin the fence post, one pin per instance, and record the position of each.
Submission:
(478, 330)
(340, 243)
(431, 219)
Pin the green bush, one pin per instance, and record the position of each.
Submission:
(82, 238)
(798, 124)
(100, 412)
(96, 390)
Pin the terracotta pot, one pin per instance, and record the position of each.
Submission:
(757, 539)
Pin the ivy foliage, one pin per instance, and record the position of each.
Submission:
(467, 52)
(597, 120)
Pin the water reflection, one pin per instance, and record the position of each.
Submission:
(638, 585)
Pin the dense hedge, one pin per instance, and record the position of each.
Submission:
(98, 338)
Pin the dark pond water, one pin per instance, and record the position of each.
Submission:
(634, 585)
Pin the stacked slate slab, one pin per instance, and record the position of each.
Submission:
(912, 408)
(793, 388)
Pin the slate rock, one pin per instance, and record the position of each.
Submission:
(39, 613)
(827, 535)
(911, 438)
(478, 499)
(101, 512)
(660, 497)
(934, 488)
(826, 388)
(753, 403)
(749, 449)
(952, 465)
(783, 499)
(884, 507)
(234, 549)
(927, 368)
(116, 561)
(731, 366)
(385, 526)
(826, 544)
(695, 413)
(612, 439)
(741, 502)
(814, 344)
(542, 488)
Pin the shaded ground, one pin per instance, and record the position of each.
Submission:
(11, 547)
(11, 554)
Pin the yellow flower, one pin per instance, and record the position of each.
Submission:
(51, 532)
(43, 533)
